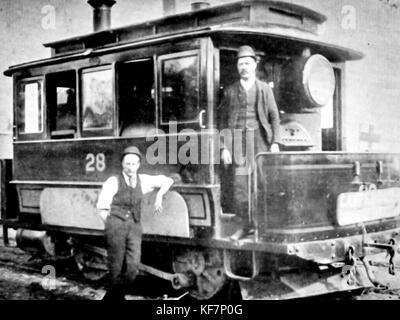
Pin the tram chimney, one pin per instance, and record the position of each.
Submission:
(199, 5)
(101, 14)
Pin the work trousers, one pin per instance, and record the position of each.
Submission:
(123, 240)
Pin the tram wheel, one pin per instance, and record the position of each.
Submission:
(91, 262)
(207, 268)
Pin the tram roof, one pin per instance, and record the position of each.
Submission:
(274, 19)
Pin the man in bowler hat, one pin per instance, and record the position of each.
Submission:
(248, 106)
(119, 205)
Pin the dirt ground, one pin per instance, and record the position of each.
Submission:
(22, 279)
(25, 278)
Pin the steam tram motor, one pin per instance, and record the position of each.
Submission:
(325, 219)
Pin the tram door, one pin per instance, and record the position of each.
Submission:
(269, 71)
(137, 114)
(228, 75)
(235, 181)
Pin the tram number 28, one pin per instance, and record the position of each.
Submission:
(95, 162)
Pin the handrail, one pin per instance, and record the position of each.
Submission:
(228, 268)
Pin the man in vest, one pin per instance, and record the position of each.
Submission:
(248, 106)
(119, 205)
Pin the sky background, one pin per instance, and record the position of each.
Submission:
(371, 26)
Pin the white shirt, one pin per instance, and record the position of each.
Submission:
(247, 84)
(110, 187)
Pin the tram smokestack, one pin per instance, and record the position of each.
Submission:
(101, 14)
(199, 5)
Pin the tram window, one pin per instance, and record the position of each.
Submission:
(97, 100)
(136, 97)
(180, 88)
(30, 116)
(61, 100)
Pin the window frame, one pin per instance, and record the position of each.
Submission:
(50, 113)
(182, 54)
(109, 132)
(30, 135)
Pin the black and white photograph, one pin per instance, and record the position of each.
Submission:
(200, 154)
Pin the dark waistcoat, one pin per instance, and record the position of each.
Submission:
(246, 117)
(127, 201)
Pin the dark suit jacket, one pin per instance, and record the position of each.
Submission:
(267, 111)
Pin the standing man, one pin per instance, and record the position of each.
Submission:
(248, 106)
(119, 205)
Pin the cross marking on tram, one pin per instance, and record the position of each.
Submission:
(369, 136)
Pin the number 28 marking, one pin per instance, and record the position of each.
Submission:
(95, 162)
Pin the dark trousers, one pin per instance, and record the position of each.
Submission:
(123, 240)
(235, 179)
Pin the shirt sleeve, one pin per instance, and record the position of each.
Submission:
(107, 193)
(150, 182)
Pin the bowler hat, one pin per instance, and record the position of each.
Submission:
(131, 150)
(246, 51)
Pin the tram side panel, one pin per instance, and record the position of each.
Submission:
(319, 196)
(60, 181)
